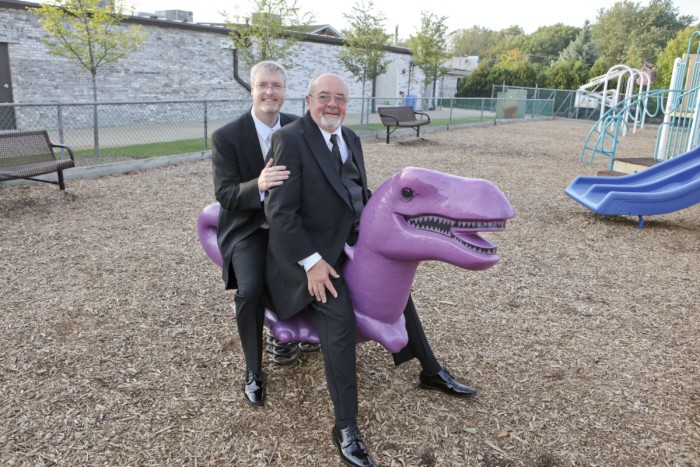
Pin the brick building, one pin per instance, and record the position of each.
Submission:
(180, 60)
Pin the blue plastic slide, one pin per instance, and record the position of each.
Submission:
(666, 187)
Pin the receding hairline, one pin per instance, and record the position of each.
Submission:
(326, 75)
(270, 66)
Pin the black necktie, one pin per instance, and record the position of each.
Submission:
(335, 150)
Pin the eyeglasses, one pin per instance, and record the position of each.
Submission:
(327, 98)
(274, 87)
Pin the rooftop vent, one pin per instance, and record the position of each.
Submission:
(176, 15)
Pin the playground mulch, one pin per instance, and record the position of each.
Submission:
(118, 345)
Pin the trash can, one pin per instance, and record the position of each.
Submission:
(411, 100)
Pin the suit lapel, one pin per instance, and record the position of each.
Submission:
(286, 118)
(319, 150)
(353, 144)
(249, 139)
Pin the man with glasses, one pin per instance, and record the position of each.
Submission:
(311, 216)
(241, 181)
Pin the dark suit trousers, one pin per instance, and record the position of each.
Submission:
(418, 346)
(335, 324)
(249, 265)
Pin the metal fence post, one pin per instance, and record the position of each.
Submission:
(370, 101)
(449, 120)
(206, 125)
(59, 110)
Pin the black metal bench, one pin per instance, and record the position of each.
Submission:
(26, 154)
(402, 116)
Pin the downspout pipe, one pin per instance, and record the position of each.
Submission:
(238, 79)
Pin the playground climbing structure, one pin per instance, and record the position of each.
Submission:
(679, 107)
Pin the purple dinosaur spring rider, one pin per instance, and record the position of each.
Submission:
(416, 215)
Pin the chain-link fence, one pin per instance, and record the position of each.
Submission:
(119, 127)
(577, 104)
(564, 102)
(109, 131)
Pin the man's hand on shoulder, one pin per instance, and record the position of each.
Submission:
(272, 176)
(319, 279)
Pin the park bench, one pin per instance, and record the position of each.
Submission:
(26, 154)
(402, 116)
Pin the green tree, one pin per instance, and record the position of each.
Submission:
(478, 84)
(546, 43)
(474, 41)
(582, 49)
(676, 48)
(513, 37)
(365, 47)
(430, 48)
(599, 68)
(513, 68)
(613, 28)
(271, 32)
(660, 24)
(630, 34)
(89, 34)
(567, 74)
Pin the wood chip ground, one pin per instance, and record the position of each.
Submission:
(118, 345)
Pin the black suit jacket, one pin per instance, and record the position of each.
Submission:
(237, 162)
(308, 213)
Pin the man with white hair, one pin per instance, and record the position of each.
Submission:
(311, 216)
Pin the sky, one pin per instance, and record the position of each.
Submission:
(406, 14)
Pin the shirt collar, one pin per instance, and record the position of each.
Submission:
(327, 135)
(263, 130)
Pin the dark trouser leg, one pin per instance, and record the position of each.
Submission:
(418, 346)
(335, 323)
(249, 265)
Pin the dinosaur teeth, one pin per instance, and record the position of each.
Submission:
(443, 226)
(483, 251)
(479, 225)
(431, 223)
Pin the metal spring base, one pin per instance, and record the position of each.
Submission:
(308, 347)
(281, 353)
(287, 353)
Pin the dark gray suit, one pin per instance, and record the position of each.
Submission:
(237, 161)
(308, 213)
(311, 213)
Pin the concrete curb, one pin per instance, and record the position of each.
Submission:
(115, 168)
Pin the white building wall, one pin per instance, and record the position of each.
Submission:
(173, 64)
(176, 62)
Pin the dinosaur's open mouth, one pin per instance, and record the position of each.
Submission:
(464, 231)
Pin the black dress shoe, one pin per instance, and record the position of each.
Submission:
(254, 389)
(445, 382)
(351, 447)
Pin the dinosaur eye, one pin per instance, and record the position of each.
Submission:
(407, 194)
